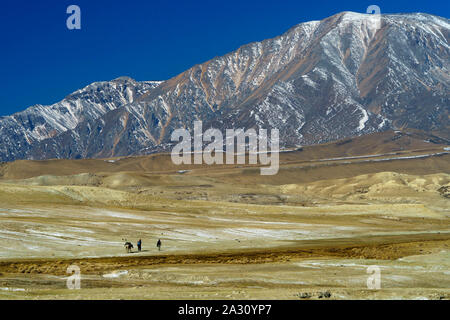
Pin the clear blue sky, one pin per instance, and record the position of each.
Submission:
(41, 61)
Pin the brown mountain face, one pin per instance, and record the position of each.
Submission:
(320, 81)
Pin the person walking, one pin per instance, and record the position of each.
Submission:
(158, 244)
(139, 245)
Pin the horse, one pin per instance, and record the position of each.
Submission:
(128, 246)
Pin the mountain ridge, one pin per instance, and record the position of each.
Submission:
(319, 81)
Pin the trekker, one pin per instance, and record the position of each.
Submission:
(158, 244)
(139, 245)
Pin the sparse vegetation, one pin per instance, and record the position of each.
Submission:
(230, 232)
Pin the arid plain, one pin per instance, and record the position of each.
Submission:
(310, 232)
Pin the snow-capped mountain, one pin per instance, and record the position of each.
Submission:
(20, 131)
(320, 81)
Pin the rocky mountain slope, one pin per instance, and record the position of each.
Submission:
(21, 131)
(320, 81)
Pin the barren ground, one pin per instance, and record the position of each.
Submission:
(227, 232)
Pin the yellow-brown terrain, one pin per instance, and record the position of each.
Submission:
(227, 232)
